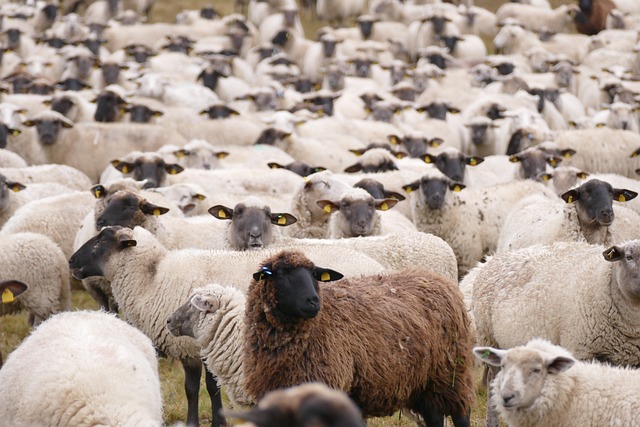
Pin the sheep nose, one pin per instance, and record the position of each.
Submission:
(313, 302)
(509, 399)
(255, 234)
(101, 222)
(625, 125)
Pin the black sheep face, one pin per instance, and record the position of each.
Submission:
(108, 106)
(127, 210)
(6, 187)
(594, 201)
(48, 130)
(73, 84)
(432, 191)
(110, 72)
(89, 259)
(152, 169)
(55, 42)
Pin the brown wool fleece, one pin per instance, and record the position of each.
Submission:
(390, 341)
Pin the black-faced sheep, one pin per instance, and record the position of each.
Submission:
(398, 360)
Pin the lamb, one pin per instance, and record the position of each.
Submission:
(354, 215)
(57, 217)
(301, 405)
(468, 220)
(307, 319)
(88, 355)
(561, 390)
(34, 259)
(588, 215)
(126, 257)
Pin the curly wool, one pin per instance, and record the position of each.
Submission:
(395, 360)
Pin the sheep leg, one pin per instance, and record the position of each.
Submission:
(192, 372)
(431, 416)
(217, 419)
(492, 415)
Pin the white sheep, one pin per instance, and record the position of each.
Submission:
(537, 19)
(543, 384)
(9, 159)
(38, 262)
(98, 370)
(469, 220)
(190, 198)
(585, 213)
(61, 174)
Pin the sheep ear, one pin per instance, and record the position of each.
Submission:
(123, 167)
(151, 209)
(126, 242)
(274, 165)
(473, 160)
(428, 158)
(456, 187)
(622, 195)
(354, 168)
(411, 187)
(396, 140)
(554, 160)
(358, 151)
(283, 219)
(558, 364)
(435, 142)
(582, 175)
(262, 273)
(181, 153)
(328, 206)
(221, 212)
(394, 195)
(490, 356)
(326, 275)
(98, 191)
(66, 124)
(221, 154)
(10, 289)
(614, 253)
(634, 154)
(173, 169)
(570, 196)
(206, 304)
(544, 177)
(385, 204)
(567, 153)
(15, 186)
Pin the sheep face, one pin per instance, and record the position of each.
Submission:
(377, 190)
(524, 375)
(90, 258)
(181, 322)
(199, 155)
(48, 130)
(110, 72)
(127, 210)
(220, 111)
(433, 190)
(108, 106)
(453, 164)
(151, 168)
(534, 161)
(626, 270)
(251, 222)
(63, 105)
(594, 201)
(299, 168)
(358, 212)
(5, 132)
(142, 114)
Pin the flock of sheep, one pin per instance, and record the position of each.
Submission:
(207, 181)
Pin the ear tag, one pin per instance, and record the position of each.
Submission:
(173, 171)
(282, 220)
(306, 179)
(486, 354)
(473, 162)
(408, 190)
(221, 214)
(325, 277)
(394, 140)
(457, 189)
(200, 196)
(621, 198)
(567, 155)
(261, 277)
(156, 212)
(273, 166)
(384, 207)
(552, 162)
(179, 154)
(327, 209)
(97, 193)
(610, 254)
(125, 169)
(15, 188)
(15, 132)
(570, 199)
(7, 297)
(546, 178)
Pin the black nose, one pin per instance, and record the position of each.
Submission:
(313, 302)
(508, 398)
(101, 222)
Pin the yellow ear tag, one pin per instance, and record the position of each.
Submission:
(473, 162)
(408, 190)
(545, 178)
(552, 162)
(567, 155)
(325, 277)
(274, 167)
(282, 220)
(125, 169)
(610, 254)
(327, 209)
(621, 198)
(173, 172)
(221, 214)
(97, 194)
(394, 140)
(156, 212)
(384, 207)
(179, 154)
(457, 189)
(261, 277)
(200, 196)
(15, 188)
(570, 199)
(7, 297)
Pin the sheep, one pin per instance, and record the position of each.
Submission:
(563, 178)
(140, 166)
(374, 160)
(354, 215)
(594, 154)
(99, 370)
(588, 215)
(312, 220)
(9, 159)
(543, 384)
(536, 19)
(482, 136)
(304, 318)
(601, 294)
(190, 198)
(57, 217)
(332, 10)
(198, 154)
(128, 256)
(298, 406)
(34, 259)
(60, 174)
(513, 39)
(468, 220)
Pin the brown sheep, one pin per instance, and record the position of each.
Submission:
(390, 341)
(592, 17)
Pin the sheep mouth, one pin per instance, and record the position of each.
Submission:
(255, 245)
(77, 273)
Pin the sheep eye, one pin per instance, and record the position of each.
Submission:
(536, 371)
(629, 258)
